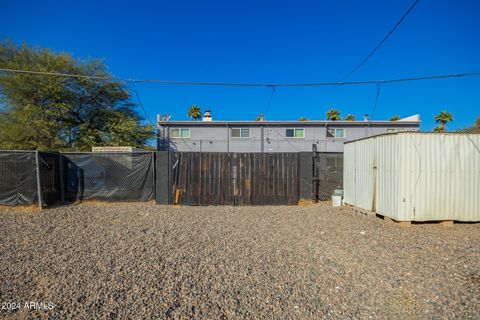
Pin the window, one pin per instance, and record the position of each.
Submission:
(295, 133)
(391, 130)
(336, 133)
(183, 133)
(240, 132)
(339, 133)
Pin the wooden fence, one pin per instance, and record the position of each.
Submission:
(236, 178)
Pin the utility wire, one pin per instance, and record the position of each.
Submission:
(376, 100)
(141, 104)
(45, 73)
(272, 128)
(389, 33)
(231, 84)
(269, 102)
(377, 96)
(82, 77)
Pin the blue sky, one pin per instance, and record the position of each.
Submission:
(270, 41)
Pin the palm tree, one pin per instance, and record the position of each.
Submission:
(194, 112)
(439, 129)
(442, 118)
(333, 114)
(350, 117)
(395, 118)
(303, 119)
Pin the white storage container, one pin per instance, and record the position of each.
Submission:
(410, 176)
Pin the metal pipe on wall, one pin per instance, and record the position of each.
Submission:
(228, 137)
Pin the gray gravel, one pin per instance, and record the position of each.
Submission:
(137, 260)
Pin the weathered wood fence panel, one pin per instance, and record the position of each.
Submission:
(236, 179)
(202, 179)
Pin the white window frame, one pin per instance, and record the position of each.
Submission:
(240, 130)
(344, 133)
(294, 131)
(335, 133)
(179, 133)
(394, 130)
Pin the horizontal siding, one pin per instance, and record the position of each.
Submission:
(267, 138)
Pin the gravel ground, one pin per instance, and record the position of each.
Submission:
(140, 260)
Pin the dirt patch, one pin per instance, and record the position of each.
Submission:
(29, 208)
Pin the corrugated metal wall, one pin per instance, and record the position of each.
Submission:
(440, 177)
(419, 176)
(387, 162)
(358, 173)
(349, 173)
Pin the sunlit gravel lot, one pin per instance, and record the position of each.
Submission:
(140, 260)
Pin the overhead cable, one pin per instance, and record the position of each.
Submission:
(389, 33)
(232, 84)
(141, 105)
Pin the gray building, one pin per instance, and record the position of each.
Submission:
(270, 136)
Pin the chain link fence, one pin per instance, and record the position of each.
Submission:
(18, 181)
(29, 177)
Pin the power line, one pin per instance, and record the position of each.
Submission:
(376, 99)
(272, 128)
(231, 84)
(141, 104)
(69, 75)
(377, 96)
(389, 33)
(269, 101)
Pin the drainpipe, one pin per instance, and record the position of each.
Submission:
(228, 138)
(262, 138)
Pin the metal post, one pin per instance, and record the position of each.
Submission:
(62, 181)
(262, 137)
(154, 170)
(228, 138)
(234, 180)
(39, 185)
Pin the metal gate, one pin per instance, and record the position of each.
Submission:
(327, 174)
(236, 179)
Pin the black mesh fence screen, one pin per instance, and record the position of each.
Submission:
(50, 177)
(329, 171)
(100, 176)
(109, 176)
(18, 181)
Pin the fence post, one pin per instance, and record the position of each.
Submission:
(163, 170)
(62, 181)
(154, 170)
(306, 175)
(39, 184)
